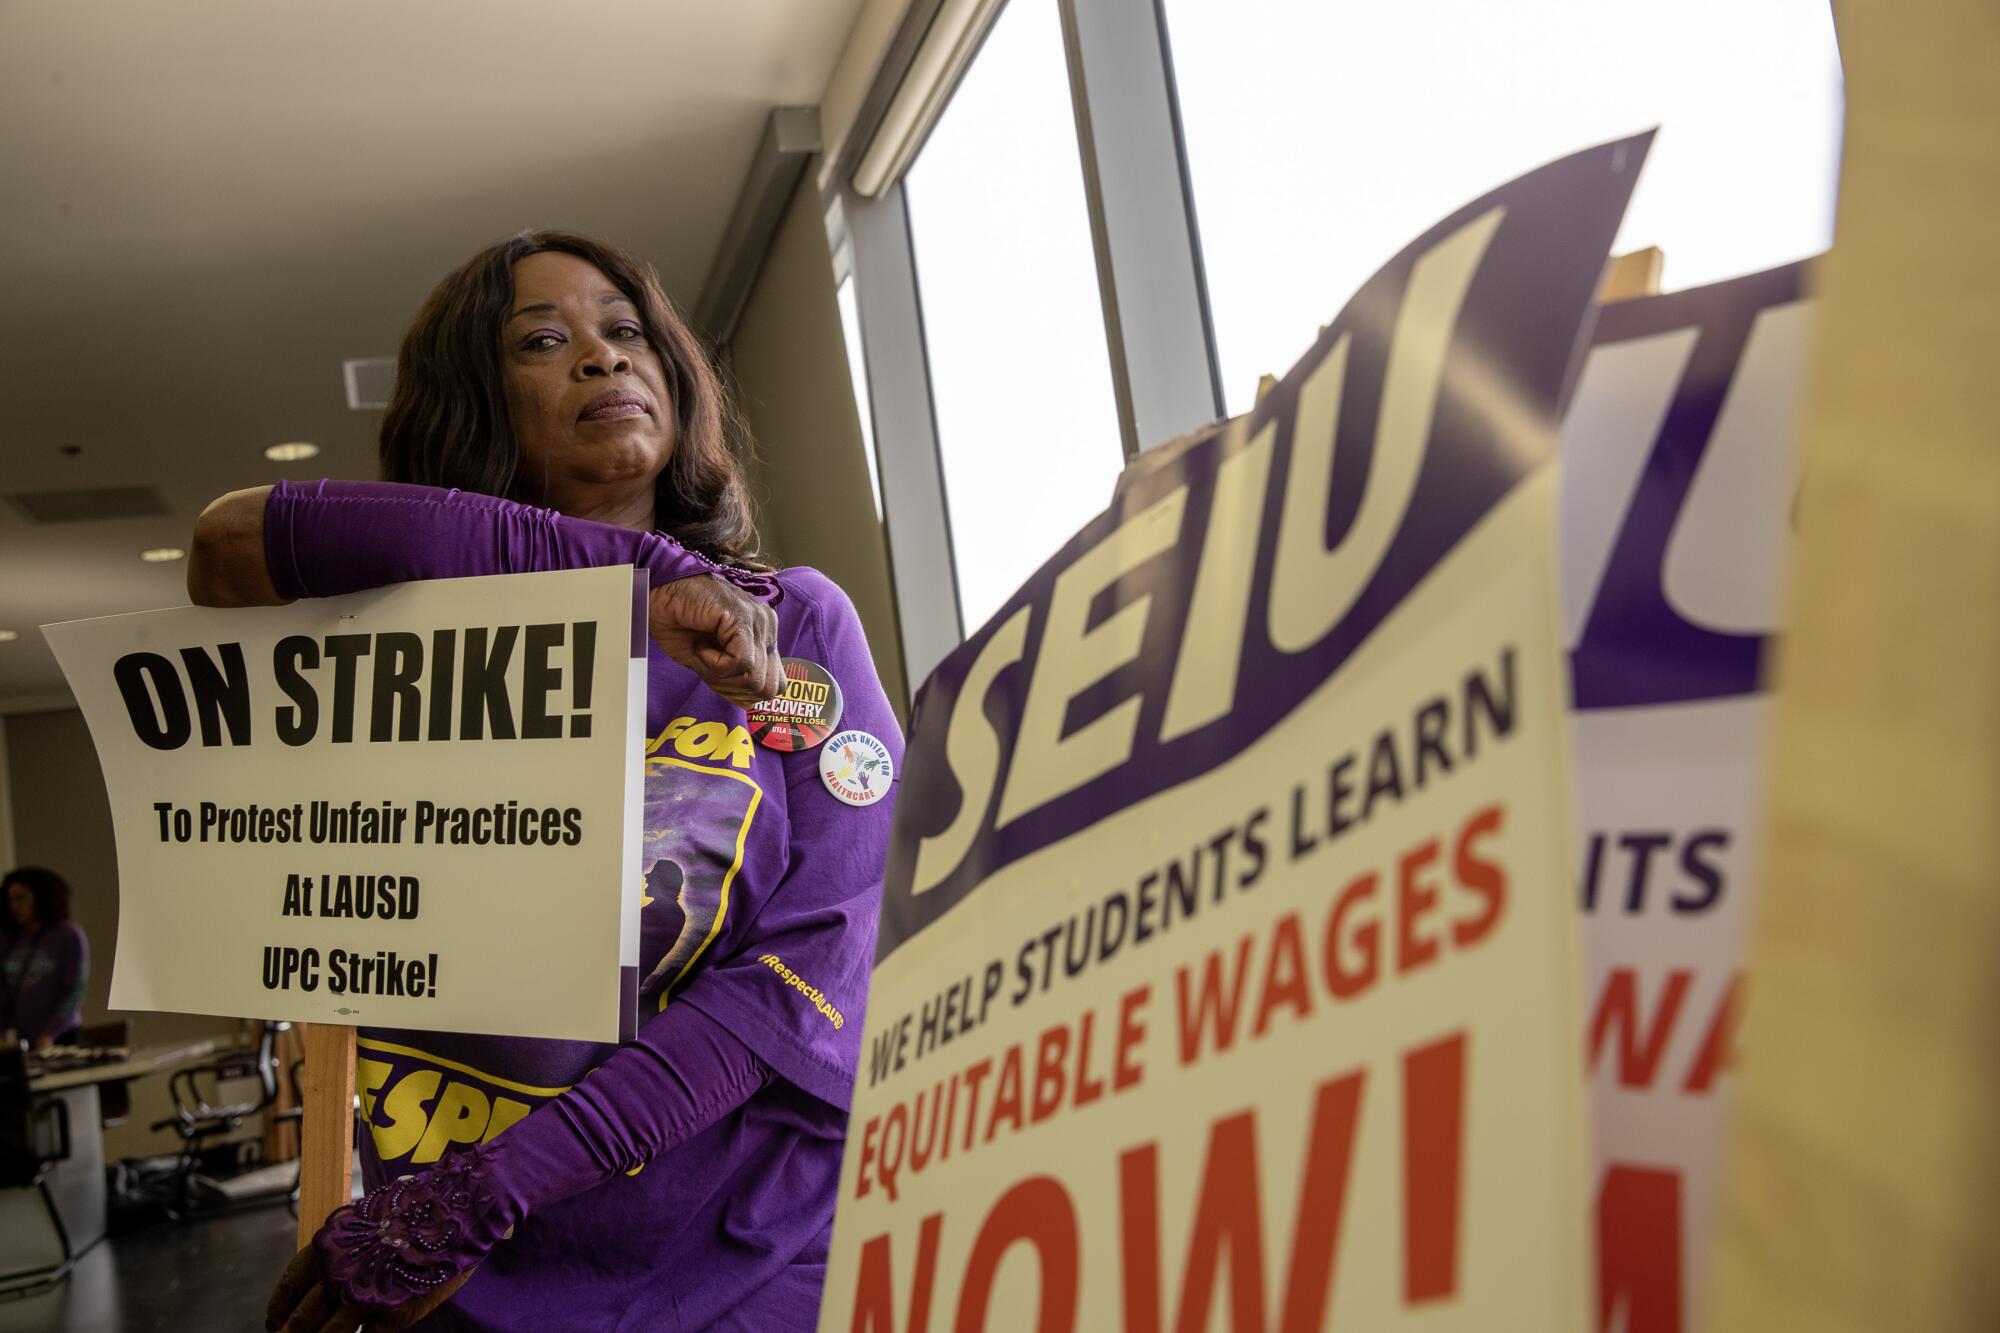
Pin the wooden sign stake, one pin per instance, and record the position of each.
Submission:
(1633, 274)
(326, 1133)
(1864, 1189)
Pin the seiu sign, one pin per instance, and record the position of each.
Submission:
(1228, 583)
(1679, 484)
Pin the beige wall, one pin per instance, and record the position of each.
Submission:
(811, 472)
(62, 820)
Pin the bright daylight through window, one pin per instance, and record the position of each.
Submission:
(1020, 378)
(1323, 137)
(857, 370)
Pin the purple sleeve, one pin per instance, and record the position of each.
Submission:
(682, 1074)
(324, 538)
(48, 1005)
(408, 1236)
(72, 972)
(795, 983)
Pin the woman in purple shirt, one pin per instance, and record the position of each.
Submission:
(551, 411)
(46, 961)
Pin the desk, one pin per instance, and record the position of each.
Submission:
(44, 1228)
(142, 1060)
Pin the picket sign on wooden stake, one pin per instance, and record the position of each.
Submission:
(235, 827)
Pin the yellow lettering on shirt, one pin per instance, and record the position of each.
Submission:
(427, 1112)
(461, 1116)
(369, 1076)
(404, 1106)
(705, 740)
(805, 988)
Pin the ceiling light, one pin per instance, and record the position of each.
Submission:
(8, 636)
(162, 554)
(291, 452)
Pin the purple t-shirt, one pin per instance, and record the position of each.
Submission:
(42, 978)
(761, 897)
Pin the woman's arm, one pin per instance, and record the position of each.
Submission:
(819, 920)
(684, 1073)
(323, 538)
(226, 564)
(270, 544)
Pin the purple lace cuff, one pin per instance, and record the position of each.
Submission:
(764, 587)
(409, 1237)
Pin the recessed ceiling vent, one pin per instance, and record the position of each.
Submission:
(89, 503)
(369, 381)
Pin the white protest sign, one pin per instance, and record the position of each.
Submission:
(1679, 476)
(412, 807)
(1228, 968)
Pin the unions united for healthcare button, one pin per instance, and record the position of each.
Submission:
(802, 714)
(856, 768)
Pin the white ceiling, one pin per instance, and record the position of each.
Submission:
(206, 207)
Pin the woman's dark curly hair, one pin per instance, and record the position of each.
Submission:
(51, 897)
(447, 421)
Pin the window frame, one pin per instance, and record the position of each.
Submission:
(1152, 292)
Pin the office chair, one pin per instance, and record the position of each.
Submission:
(197, 1119)
(32, 1139)
(295, 1114)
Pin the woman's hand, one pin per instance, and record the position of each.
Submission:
(303, 1303)
(381, 1264)
(722, 634)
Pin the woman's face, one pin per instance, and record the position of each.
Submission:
(586, 393)
(21, 902)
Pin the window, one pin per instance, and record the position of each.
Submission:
(857, 370)
(1020, 377)
(1322, 137)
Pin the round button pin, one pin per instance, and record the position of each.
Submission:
(802, 714)
(856, 767)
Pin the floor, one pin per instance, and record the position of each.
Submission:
(211, 1274)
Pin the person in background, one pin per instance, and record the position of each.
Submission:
(551, 411)
(46, 963)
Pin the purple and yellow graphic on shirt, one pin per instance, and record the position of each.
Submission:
(697, 820)
(418, 1106)
(803, 714)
